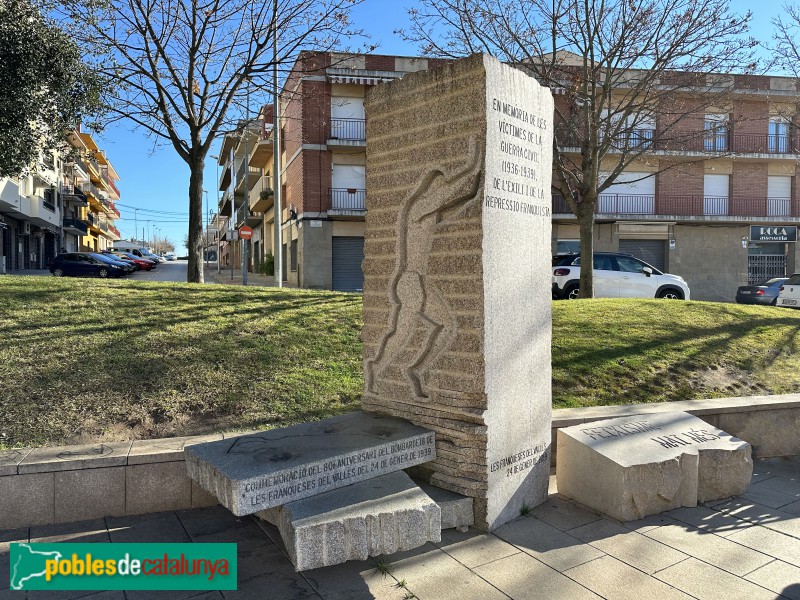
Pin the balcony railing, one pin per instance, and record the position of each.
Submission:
(709, 141)
(737, 206)
(94, 164)
(253, 175)
(114, 231)
(348, 199)
(73, 193)
(114, 187)
(72, 223)
(90, 188)
(49, 205)
(348, 129)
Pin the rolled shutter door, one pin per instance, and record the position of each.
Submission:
(650, 251)
(348, 254)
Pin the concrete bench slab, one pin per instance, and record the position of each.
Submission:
(632, 467)
(258, 471)
(383, 515)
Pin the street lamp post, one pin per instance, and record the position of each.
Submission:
(276, 160)
(205, 233)
(246, 206)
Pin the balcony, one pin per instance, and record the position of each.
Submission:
(245, 217)
(113, 232)
(114, 188)
(259, 203)
(348, 199)
(714, 207)
(346, 133)
(76, 226)
(253, 175)
(74, 195)
(714, 142)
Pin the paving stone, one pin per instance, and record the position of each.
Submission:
(435, 575)
(10, 459)
(27, 500)
(547, 544)
(68, 458)
(266, 573)
(707, 582)
(613, 579)
(715, 550)
(89, 494)
(779, 577)
(354, 580)
(771, 518)
(6, 539)
(786, 467)
(710, 520)
(563, 514)
(80, 532)
(152, 528)
(769, 542)
(272, 468)
(219, 525)
(474, 548)
(649, 522)
(781, 485)
(523, 577)
(768, 497)
(630, 547)
(156, 487)
(165, 449)
(383, 515)
(74, 595)
(631, 467)
(457, 510)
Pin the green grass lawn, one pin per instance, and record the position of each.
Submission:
(82, 359)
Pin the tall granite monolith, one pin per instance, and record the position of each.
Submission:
(457, 277)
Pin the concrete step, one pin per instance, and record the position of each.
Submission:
(272, 468)
(383, 515)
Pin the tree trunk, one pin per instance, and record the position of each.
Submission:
(195, 271)
(586, 225)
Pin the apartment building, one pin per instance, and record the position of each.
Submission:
(721, 208)
(64, 203)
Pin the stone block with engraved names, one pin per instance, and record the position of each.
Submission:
(632, 467)
(383, 515)
(263, 470)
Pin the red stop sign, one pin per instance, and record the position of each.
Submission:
(245, 232)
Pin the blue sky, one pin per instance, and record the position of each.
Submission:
(155, 180)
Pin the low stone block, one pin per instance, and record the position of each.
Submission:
(165, 449)
(759, 427)
(632, 467)
(254, 472)
(26, 500)
(457, 510)
(89, 494)
(156, 487)
(383, 515)
(70, 458)
(10, 459)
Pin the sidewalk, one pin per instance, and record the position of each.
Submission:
(744, 548)
(224, 277)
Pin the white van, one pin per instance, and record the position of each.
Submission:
(789, 295)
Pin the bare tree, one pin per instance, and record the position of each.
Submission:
(786, 38)
(626, 73)
(185, 66)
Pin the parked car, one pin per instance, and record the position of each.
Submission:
(617, 276)
(113, 260)
(141, 263)
(763, 293)
(789, 294)
(84, 264)
(138, 253)
(170, 256)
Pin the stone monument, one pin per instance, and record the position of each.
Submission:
(457, 284)
(632, 467)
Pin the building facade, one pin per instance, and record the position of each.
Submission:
(63, 203)
(720, 209)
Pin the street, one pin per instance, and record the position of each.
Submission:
(168, 271)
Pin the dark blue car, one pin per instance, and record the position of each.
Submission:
(764, 293)
(84, 264)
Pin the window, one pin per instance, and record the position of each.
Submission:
(293, 258)
(603, 263)
(568, 246)
(778, 139)
(716, 128)
(629, 265)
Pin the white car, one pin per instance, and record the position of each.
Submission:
(170, 256)
(789, 295)
(617, 275)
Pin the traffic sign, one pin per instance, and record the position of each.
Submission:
(245, 232)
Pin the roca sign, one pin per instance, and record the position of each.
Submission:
(777, 233)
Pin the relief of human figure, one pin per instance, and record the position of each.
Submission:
(440, 196)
